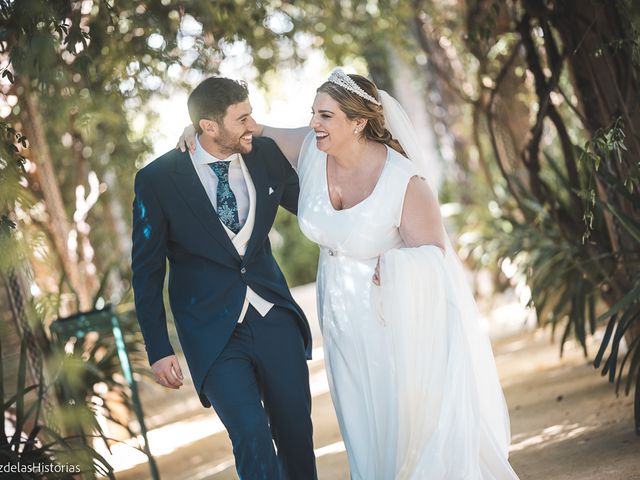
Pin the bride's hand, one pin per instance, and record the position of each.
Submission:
(376, 274)
(187, 139)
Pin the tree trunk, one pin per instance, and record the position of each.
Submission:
(59, 224)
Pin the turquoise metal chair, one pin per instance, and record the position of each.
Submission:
(105, 321)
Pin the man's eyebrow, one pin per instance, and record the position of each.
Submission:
(244, 115)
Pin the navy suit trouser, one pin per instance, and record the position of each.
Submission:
(259, 387)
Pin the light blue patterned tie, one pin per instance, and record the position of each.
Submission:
(226, 200)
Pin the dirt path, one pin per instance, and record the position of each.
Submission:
(566, 421)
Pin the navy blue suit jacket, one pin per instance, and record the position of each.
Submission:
(173, 220)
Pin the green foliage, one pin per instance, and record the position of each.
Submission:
(609, 143)
(297, 255)
(32, 444)
(13, 193)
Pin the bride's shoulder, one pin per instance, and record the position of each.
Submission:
(401, 164)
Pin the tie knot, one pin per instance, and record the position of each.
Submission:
(221, 169)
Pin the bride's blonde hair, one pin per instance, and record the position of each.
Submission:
(355, 106)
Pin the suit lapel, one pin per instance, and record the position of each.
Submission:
(255, 166)
(191, 190)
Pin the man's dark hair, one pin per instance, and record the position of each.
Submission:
(211, 98)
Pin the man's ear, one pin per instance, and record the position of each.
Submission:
(209, 127)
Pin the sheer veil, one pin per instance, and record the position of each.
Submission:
(491, 407)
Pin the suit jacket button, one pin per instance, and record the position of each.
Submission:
(243, 270)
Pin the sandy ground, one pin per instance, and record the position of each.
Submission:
(566, 421)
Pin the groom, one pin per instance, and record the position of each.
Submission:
(245, 339)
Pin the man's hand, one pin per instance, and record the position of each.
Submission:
(167, 372)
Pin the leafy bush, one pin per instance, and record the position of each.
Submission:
(35, 449)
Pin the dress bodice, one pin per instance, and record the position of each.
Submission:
(363, 231)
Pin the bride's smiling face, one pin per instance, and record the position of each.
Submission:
(332, 127)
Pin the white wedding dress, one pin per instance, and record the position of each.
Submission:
(404, 368)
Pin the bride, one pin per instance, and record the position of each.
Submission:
(411, 372)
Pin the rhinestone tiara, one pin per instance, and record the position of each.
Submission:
(343, 80)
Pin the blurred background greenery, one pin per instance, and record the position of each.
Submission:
(533, 107)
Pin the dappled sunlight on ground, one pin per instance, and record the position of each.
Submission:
(330, 449)
(163, 441)
(547, 436)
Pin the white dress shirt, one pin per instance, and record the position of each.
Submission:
(242, 187)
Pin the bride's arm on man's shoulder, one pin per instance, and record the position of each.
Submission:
(289, 140)
(421, 222)
(187, 139)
